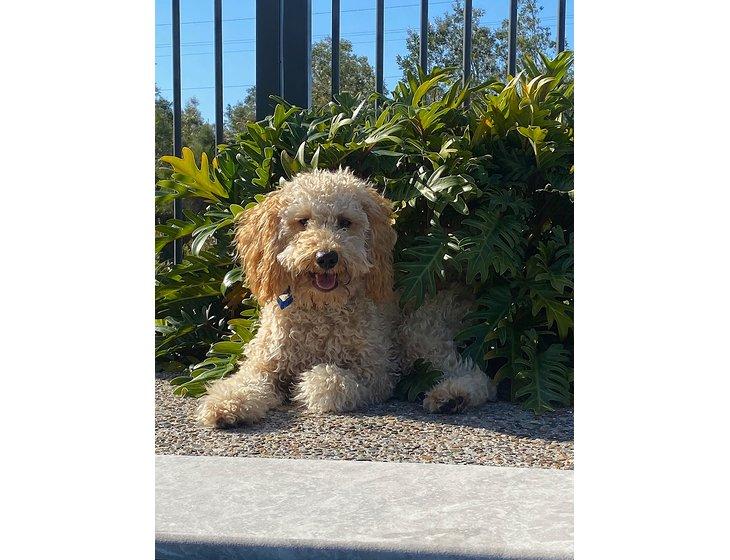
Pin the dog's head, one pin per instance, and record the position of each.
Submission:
(326, 236)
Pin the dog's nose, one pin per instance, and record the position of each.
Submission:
(327, 260)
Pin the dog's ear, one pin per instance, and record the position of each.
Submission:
(379, 280)
(257, 242)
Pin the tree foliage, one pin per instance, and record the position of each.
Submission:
(489, 46)
(356, 76)
(197, 133)
(240, 113)
(483, 197)
(163, 126)
(533, 38)
(356, 73)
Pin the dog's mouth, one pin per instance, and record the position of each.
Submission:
(324, 282)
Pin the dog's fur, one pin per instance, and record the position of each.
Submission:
(341, 349)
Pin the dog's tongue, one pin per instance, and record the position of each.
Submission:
(325, 281)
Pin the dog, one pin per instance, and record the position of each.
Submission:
(318, 256)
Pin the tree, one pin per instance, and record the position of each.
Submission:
(532, 37)
(446, 42)
(356, 76)
(240, 113)
(489, 47)
(163, 126)
(356, 73)
(197, 133)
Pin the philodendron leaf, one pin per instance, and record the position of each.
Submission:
(201, 181)
(487, 323)
(420, 378)
(426, 262)
(556, 307)
(546, 378)
(495, 246)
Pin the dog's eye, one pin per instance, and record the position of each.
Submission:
(343, 223)
(303, 222)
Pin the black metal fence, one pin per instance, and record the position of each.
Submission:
(283, 57)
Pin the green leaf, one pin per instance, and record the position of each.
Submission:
(315, 158)
(427, 262)
(418, 380)
(557, 309)
(199, 181)
(201, 235)
(546, 377)
(235, 209)
(300, 155)
(536, 134)
(232, 276)
(487, 323)
(427, 86)
(497, 245)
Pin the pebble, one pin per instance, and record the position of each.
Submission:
(495, 434)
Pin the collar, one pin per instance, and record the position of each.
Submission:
(285, 299)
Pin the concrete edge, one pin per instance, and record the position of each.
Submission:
(304, 509)
(176, 546)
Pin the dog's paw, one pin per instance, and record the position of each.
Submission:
(327, 388)
(216, 412)
(455, 394)
(439, 402)
(453, 406)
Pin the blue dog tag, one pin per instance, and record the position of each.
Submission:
(285, 300)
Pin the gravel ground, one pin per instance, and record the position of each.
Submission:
(496, 434)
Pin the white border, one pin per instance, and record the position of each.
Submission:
(651, 275)
(77, 411)
(651, 250)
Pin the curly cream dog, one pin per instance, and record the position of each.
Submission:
(318, 256)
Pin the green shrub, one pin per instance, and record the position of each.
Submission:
(482, 181)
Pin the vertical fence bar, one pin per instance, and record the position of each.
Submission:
(423, 60)
(561, 25)
(218, 19)
(379, 40)
(335, 47)
(512, 56)
(297, 52)
(467, 40)
(268, 54)
(176, 116)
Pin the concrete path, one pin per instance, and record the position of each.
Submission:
(234, 507)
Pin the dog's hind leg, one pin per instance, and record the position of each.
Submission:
(428, 334)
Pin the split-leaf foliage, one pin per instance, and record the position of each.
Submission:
(482, 183)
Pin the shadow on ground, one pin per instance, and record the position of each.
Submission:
(500, 434)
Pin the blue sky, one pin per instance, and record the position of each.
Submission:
(239, 39)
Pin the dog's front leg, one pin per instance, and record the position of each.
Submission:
(331, 388)
(243, 398)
